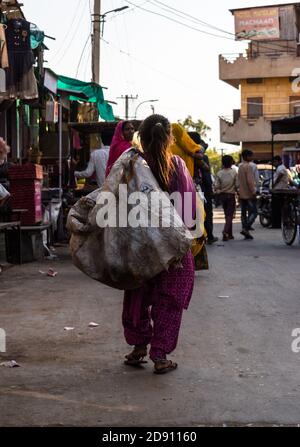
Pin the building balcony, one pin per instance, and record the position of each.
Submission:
(234, 68)
(251, 130)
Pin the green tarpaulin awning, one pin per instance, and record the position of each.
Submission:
(93, 92)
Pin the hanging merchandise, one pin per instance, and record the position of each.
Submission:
(21, 58)
(3, 47)
(3, 58)
(36, 36)
(2, 81)
(20, 79)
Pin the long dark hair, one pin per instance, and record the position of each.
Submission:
(155, 134)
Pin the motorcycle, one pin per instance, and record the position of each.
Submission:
(264, 204)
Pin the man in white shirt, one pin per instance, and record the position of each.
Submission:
(280, 181)
(281, 178)
(97, 164)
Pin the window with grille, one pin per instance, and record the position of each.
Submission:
(294, 105)
(255, 107)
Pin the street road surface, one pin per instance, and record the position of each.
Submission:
(236, 365)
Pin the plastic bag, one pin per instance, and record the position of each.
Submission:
(125, 257)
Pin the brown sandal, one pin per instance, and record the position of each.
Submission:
(164, 366)
(136, 357)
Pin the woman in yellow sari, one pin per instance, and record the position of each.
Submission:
(189, 151)
(184, 147)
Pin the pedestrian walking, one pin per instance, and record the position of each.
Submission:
(152, 314)
(281, 181)
(203, 166)
(122, 140)
(247, 194)
(185, 147)
(191, 152)
(226, 185)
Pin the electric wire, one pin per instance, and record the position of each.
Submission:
(82, 53)
(125, 12)
(193, 18)
(296, 101)
(88, 64)
(178, 22)
(72, 39)
(205, 24)
(126, 75)
(64, 40)
(188, 16)
(132, 77)
(187, 85)
(149, 66)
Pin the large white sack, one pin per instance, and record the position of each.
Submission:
(125, 258)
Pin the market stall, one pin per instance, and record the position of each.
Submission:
(286, 203)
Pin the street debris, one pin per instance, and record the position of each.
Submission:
(51, 257)
(52, 273)
(223, 296)
(67, 328)
(10, 364)
(93, 325)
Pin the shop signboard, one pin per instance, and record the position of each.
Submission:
(50, 81)
(52, 111)
(257, 24)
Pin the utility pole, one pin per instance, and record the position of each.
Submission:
(127, 98)
(96, 19)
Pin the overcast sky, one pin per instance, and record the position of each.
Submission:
(148, 55)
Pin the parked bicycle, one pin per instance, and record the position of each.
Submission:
(290, 215)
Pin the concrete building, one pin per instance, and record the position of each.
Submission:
(268, 77)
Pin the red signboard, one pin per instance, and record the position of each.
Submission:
(257, 24)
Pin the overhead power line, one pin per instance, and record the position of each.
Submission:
(64, 40)
(113, 17)
(88, 64)
(76, 27)
(177, 21)
(189, 16)
(81, 56)
(201, 22)
(169, 76)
